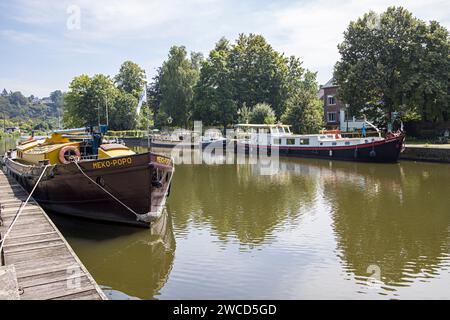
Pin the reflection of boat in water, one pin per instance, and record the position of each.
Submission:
(84, 177)
(133, 261)
(333, 146)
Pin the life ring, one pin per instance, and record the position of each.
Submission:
(68, 152)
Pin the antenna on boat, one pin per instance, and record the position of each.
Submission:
(98, 114)
(106, 106)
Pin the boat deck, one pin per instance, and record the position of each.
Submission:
(45, 265)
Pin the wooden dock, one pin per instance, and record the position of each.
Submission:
(45, 265)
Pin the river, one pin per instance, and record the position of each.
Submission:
(315, 230)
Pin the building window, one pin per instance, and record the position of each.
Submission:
(331, 116)
(290, 141)
(331, 100)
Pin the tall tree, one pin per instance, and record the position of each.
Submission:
(178, 78)
(57, 100)
(257, 72)
(432, 92)
(304, 110)
(131, 78)
(123, 113)
(85, 102)
(154, 94)
(214, 92)
(385, 60)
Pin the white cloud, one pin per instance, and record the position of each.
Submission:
(22, 37)
(310, 30)
(314, 29)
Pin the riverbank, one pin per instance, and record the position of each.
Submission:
(427, 152)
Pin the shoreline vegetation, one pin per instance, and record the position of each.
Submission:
(392, 66)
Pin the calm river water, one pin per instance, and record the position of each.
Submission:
(317, 229)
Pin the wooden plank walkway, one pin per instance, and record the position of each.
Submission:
(45, 264)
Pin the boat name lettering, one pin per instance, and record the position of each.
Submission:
(163, 160)
(111, 163)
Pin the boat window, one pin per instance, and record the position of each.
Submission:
(347, 143)
(277, 141)
(304, 141)
(290, 141)
(334, 143)
(281, 130)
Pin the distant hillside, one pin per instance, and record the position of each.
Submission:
(30, 113)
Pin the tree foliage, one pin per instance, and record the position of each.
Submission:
(237, 77)
(85, 102)
(179, 74)
(214, 93)
(131, 78)
(262, 113)
(397, 62)
(304, 110)
(27, 113)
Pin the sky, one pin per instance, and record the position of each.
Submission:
(45, 43)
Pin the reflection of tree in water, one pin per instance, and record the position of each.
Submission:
(393, 216)
(134, 261)
(235, 199)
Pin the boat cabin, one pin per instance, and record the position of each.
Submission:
(279, 135)
(65, 146)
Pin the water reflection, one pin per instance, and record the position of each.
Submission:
(395, 217)
(310, 231)
(133, 261)
(235, 202)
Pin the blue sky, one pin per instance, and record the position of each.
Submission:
(40, 53)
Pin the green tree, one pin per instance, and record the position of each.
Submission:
(85, 102)
(213, 101)
(178, 78)
(131, 78)
(262, 113)
(123, 113)
(154, 94)
(304, 110)
(258, 72)
(396, 62)
(18, 99)
(432, 93)
(244, 114)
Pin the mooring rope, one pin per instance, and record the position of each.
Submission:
(107, 192)
(22, 205)
(140, 217)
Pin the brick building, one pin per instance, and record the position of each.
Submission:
(332, 106)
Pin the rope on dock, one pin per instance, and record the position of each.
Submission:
(22, 205)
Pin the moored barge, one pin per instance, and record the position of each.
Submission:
(326, 145)
(79, 175)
